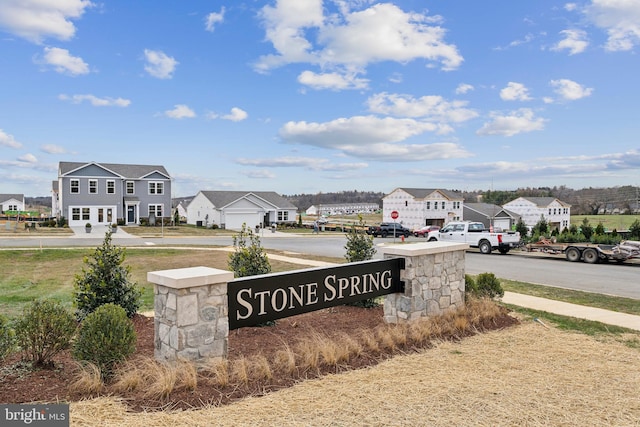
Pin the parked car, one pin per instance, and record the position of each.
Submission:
(424, 231)
(389, 229)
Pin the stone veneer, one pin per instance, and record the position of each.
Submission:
(433, 278)
(191, 313)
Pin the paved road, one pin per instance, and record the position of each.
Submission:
(613, 279)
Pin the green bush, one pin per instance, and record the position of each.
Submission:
(44, 329)
(487, 285)
(360, 247)
(105, 281)
(106, 337)
(248, 258)
(7, 338)
(470, 285)
(571, 238)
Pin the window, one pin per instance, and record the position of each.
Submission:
(75, 186)
(283, 215)
(428, 205)
(75, 214)
(156, 187)
(111, 187)
(13, 208)
(456, 205)
(130, 187)
(86, 214)
(406, 203)
(442, 205)
(93, 186)
(155, 210)
(435, 205)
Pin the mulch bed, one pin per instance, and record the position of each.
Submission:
(21, 384)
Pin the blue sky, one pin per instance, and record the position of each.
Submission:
(316, 96)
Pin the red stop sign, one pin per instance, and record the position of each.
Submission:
(394, 215)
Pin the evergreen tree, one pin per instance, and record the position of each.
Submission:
(586, 229)
(249, 258)
(105, 280)
(522, 228)
(359, 245)
(635, 230)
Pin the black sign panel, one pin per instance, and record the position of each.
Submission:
(257, 299)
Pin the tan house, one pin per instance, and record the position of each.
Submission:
(531, 209)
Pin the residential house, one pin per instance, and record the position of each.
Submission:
(555, 212)
(11, 202)
(231, 209)
(418, 207)
(106, 193)
(492, 216)
(180, 204)
(342, 208)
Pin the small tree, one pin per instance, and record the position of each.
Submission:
(586, 229)
(599, 229)
(521, 228)
(248, 258)
(360, 247)
(541, 227)
(634, 230)
(105, 281)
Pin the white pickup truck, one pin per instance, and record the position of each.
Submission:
(476, 236)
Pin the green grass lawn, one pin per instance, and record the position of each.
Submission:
(609, 222)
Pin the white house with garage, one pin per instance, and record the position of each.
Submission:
(418, 207)
(11, 202)
(557, 213)
(231, 209)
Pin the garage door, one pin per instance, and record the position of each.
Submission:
(234, 221)
(503, 224)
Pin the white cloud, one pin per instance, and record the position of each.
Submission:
(53, 149)
(35, 20)
(575, 41)
(515, 92)
(214, 18)
(620, 19)
(522, 120)
(311, 163)
(259, 174)
(433, 108)
(352, 40)
(28, 158)
(236, 115)
(63, 62)
(180, 111)
(7, 140)
(570, 90)
(385, 152)
(463, 88)
(95, 101)
(335, 81)
(159, 64)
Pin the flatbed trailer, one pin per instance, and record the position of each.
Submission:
(588, 252)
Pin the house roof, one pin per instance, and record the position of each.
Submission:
(543, 202)
(220, 199)
(5, 197)
(421, 193)
(123, 170)
(490, 210)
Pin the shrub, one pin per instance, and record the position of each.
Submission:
(360, 247)
(44, 329)
(7, 338)
(488, 285)
(106, 337)
(470, 285)
(634, 230)
(248, 258)
(105, 281)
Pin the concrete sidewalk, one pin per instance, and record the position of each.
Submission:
(573, 310)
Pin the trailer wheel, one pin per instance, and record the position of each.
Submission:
(485, 247)
(503, 251)
(573, 254)
(590, 255)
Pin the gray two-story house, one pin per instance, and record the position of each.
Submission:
(105, 193)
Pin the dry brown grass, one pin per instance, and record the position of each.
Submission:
(523, 376)
(88, 379)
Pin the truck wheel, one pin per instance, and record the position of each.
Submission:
(485, 247)
(433, 239)
(572, 254)
(503, 251)
(591, 256)
(384, 234)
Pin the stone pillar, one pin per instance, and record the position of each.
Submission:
(191, 313)
(433, 278)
